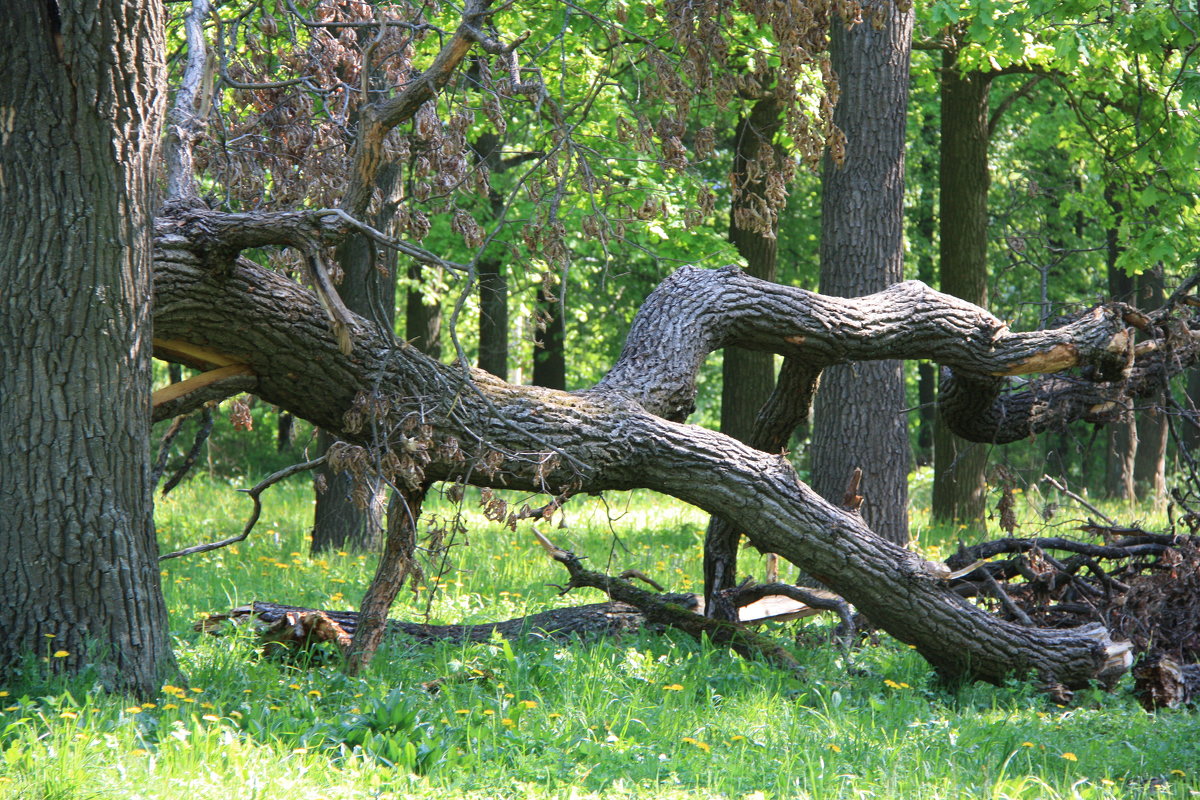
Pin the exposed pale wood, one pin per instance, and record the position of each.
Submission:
(184, 387)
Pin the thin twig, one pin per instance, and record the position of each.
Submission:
(254, 515)
(1079, 500)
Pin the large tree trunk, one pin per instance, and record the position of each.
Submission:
(959, 482)
(625, 432)
(82, 85)
(859, 414)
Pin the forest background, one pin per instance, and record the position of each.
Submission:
(570, 195)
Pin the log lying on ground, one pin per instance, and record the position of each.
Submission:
(424, 421)
(297, 626)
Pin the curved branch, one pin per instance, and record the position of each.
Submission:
(623, 444)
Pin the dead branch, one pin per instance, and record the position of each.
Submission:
(206, 426)
(254, 493)
(1064, 490)
(667, 610)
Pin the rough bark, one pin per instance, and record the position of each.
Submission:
(622, 433)
(859, 417)
(81, 87)
(959, 483)
(368, 288)
(786, 409)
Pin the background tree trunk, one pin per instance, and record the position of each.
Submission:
(859, 410)
(1122, 435)
(422, 320)
(959, 482)
(550, 360)
(747, 377)
(368, 288)
(1150, 461)
(78, 556)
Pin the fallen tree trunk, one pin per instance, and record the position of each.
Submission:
(424, 421)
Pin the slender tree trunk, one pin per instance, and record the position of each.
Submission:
(493, 317)
(860, 420)
(747, 377)
(550, 360)
(959, 482)
(1122, 435)
(422, 319)
(493, 277)
(81, 88)
(1150, 461)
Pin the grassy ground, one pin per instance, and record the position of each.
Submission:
(647, 716)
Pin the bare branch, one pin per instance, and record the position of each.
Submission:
(254, 493)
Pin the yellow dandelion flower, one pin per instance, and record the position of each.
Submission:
(1178, 772)
(211, 718)
(834, 748)
(133, 710)
(463, 711)
(207, 705)
(509, 695)
(295, 686)
(139, 751)
(49, 635)
(1026, 744)
(61, 654)
(3, 694)
(197, 689)
(1070, 756)
(68, 715)
(737, 738)
(1107, 782)
(672, 687)
(488, 712)
(300, 751)
(554, 715)
(528, 704)
(169, 706)
(149, 705)
(904, 685)
(891, 684)
(314, 692)
(186, 700)
(11, 708)
(507, 722)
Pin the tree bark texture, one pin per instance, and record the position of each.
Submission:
(959, 481)
(859, 414)
(368, 288)
(81, 89)
(626, 431)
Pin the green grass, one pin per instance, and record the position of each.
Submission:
(645, 716)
